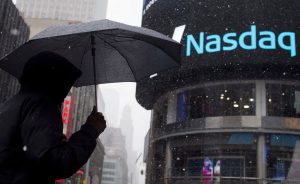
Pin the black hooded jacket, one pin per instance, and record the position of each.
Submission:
(33, 149)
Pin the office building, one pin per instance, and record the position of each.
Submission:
(115, 169)
(231, 112)
(13, 32)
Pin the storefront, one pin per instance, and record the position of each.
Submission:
(230, 114)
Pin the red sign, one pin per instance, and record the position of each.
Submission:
(66, 109)
(67, 114)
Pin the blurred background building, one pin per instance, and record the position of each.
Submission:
(96, 164)
(77, 106)
(58, 10)
(112, 108)
(40, 14)
(115, 169)
(226, 115)
(127, 129)
(13, 32)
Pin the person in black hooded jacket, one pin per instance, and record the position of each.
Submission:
(33, 149)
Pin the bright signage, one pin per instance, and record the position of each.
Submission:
(249, 40)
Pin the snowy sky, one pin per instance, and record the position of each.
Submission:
(114, 108)
(128, 12)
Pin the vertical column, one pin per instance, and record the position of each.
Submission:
(260, 98)
(261, 159)
(168, 164)
(261, 143)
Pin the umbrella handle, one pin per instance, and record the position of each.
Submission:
(93, 43)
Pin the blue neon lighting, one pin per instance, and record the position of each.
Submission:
(248, 40)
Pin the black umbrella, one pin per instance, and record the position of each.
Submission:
(105, 51)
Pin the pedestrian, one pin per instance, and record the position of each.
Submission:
(33, 149)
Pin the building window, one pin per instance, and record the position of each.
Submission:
(209, 156)
(181, 107)
(210, 168)
(222, 100)
(108, 173)
(282, 164)
(283, 100)
(230, 100)
(160, 114)
(109, 165)
(108, 179)
(197, 103)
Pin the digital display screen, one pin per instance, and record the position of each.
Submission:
(229, 32)
(208, 168)
(252, 39)
(211, 169)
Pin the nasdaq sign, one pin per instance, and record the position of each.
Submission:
(248, 40)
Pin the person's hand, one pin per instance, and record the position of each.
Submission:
(96, 119)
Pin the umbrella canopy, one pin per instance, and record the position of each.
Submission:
(105, 51)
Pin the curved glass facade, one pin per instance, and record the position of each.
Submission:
(217, 100)
(228, 158)
(232, 99)
(188, 149)
(231, 112)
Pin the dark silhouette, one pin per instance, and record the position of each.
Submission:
(33, 148)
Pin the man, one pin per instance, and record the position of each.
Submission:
(33, 148)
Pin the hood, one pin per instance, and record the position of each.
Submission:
(50, 74)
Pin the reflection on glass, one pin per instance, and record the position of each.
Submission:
(282, 149)
(220, 100)
(181, 107)
(207, 171)
(283, 100)
(217, 172)
(160, 115)
(227, 155)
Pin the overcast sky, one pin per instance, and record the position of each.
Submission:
(128, 12)
(114, 108)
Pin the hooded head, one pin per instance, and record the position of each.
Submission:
(50, 74)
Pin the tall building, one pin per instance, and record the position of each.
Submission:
(84, 103)
(13, 32)
(79, 10)
(96, 164)
(127, 126)
(41, 14)
(231, 112)
(77, 107)
(112, 111)
(115, 169)
(128, 129)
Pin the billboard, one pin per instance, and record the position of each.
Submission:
(230, 32)
(224, 40)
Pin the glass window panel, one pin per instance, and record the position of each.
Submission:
(181, 107)
(281, 154)
(220, 100)
(283, 100)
